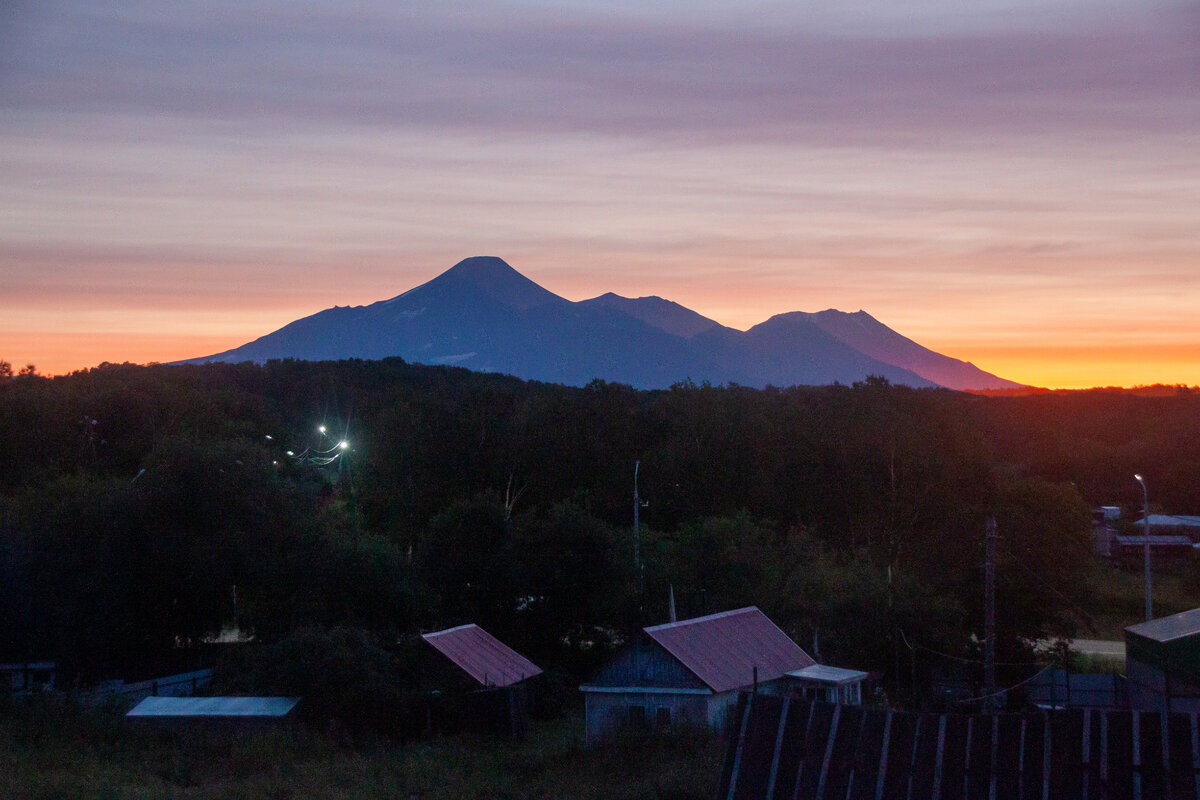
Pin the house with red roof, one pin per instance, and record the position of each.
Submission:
(690, 673)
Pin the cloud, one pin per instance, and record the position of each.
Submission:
(524, 70)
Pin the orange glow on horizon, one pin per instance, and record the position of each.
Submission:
(63, 353)
(1086, 367)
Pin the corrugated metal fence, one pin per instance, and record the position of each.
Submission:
(802, 750)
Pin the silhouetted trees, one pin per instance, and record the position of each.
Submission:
(144, 508)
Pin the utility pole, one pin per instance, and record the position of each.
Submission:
(637, 537)
(989, 621)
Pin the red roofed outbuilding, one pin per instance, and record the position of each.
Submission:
(488, 661)
(489, 686)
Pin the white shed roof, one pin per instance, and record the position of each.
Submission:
(820, 673)
(214, 707)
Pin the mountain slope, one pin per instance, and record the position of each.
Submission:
(788, 349)
(870, 336)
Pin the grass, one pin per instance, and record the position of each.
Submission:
(50, 750)
(1119, 599)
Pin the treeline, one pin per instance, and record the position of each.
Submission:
(142, 509)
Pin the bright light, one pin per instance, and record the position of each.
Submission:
(321, 428)
(269, 436)
(290, 453)
(343, 444)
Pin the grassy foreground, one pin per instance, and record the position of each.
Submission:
(50, 750)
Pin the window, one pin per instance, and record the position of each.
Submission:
(637, 718)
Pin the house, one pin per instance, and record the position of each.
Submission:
(491, 691)
(1162, 663)
(218, 712)
(690, 672)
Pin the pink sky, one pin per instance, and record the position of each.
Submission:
(1016, 184)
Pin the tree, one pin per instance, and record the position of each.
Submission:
(466, 559)
(344, 676)
(573, 575)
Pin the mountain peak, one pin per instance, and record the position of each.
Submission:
(491, 276)
(482, 268)
(663, 314)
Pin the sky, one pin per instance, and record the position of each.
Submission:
(1015, 183)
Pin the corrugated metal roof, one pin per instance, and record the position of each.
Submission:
(826, 674)
(1171, 520)
(214, 707)
(1156, 540)
(724, 649)
(1167, 629)
(482, 656)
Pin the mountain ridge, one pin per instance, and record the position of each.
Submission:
(485, 315)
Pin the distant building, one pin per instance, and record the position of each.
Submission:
(1174, 524)
(1131, 550)
(690, 672)
(1171, 537)
(24, 677)
(1104, 529)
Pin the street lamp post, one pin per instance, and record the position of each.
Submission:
(1146, 543)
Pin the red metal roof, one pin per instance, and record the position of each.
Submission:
(724, 649)
(482, 656)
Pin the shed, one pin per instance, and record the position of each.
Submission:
(1162, 662)
(829, 684)
(498, 700)
(689, 672)
(235, 712)
(487, 660)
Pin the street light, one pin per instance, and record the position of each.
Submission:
(1146, 543)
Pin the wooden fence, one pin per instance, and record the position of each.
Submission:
(802, 750)
(184, 684)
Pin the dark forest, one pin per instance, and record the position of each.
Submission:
(143, 509)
